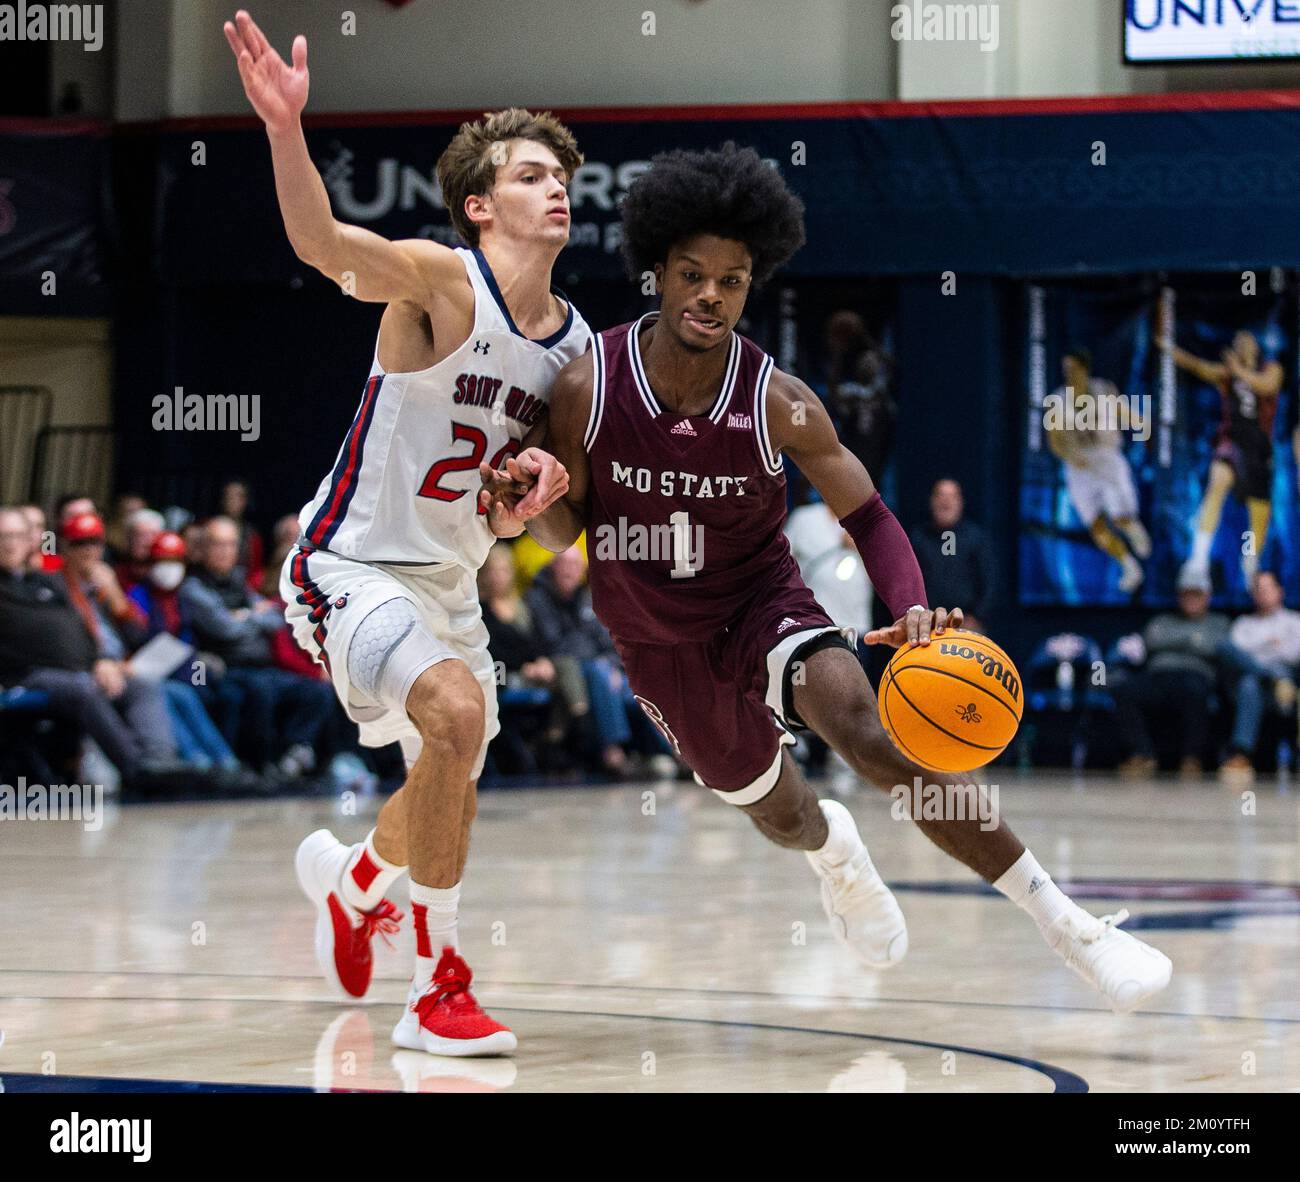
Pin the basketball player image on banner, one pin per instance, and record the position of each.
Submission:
(673, 428)
(1097, 473)
(1243, 446)
(381, 585)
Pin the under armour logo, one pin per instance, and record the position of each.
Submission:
(482, 346)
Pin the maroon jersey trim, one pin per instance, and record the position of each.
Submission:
(643, 383)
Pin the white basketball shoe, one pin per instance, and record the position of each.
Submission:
(1125, 970)
(862, 910)
(343, 934)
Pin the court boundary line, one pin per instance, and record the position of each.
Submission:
(1063, 1080)
(488, 983)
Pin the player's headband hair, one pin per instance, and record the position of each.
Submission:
(1082, 356)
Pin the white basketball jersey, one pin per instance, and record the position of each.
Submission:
(404, 488)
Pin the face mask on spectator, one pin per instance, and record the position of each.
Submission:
(168, 575)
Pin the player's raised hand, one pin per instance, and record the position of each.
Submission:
(277, 91)
(916, 627)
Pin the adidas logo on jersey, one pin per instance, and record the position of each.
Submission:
(684, 428)
(740, 422)
(786, 623)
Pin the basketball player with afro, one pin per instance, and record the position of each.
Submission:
(673, 426)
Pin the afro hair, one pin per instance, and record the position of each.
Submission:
(729, 192)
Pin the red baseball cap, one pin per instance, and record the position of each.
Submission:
(167, 547)
(85, 527)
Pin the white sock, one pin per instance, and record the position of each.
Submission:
(433, 910)
(1031, 889)
(1201, 543)
(367, 876)
(842, 841)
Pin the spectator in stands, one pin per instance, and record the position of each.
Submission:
(125, 506)
(1183, 654)
(286, 652)
(955, 556)
(859, 375)
(566, 626)
(1263, 650)
(192, 535)
(522, 665)
(45, 645)
(43, 556)
(139, 532)
(830, 565)
(71, 505)
(198, 739)
(156, 595)
(238, 625)
(285, 534)
(233, 503)
(116, 625)
(512, 637)
(68, 506)
(514, 643)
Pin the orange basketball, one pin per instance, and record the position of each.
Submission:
(952, 705)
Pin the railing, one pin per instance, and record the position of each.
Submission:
(24, 414)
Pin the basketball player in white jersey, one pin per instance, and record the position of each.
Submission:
(1097, 474)
(381, 586)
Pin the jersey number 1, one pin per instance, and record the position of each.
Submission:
(687, 559)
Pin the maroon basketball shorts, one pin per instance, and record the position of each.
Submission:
(723, 704)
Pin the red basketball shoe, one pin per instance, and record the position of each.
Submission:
(446, 1020)
(343, 934)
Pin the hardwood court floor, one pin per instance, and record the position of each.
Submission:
(664, 952)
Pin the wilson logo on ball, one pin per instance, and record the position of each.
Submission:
(989, 665)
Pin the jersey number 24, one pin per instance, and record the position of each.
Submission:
(432, 485)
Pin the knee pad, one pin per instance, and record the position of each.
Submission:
(390, 648)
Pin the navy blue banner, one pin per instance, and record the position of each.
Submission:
(1099, 190)
(1196, 183)
(52, 180)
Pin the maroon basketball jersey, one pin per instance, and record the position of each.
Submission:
(686, 510)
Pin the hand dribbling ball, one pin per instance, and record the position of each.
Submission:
(952, 705)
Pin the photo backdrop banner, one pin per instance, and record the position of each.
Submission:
(1138, 475)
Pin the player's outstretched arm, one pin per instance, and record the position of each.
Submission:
(1208, 371)
(557, 514)
(363, 263)
(799, 425)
